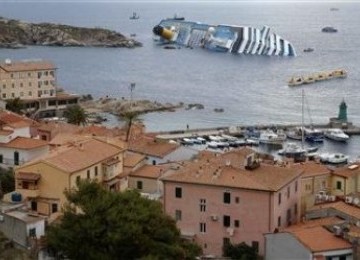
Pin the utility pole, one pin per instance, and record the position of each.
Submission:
(132, 87)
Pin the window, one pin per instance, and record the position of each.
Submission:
(39, 75)
(96, 170)
(52, 102)
(4, 95)
(32, 232)
(178, 192)
(227, 197)
(255, 245)
(295, 209)
(13, 94)
(288, 192)
(77, 179)
(4, 86)
(29, 74)
(44, 137)
(139, 185)
(308, 187)
(33, 205)
(178, 215)
(202, 205)
(279, 221)
(29, 84)
(21, 84)
(202, 227)
(296, 186)
(338, 185)
(237, 200)
(279, 198)
(54, 207)
(21, 94)
(88, 174)
(237, 223)
(288, 216)
(30, 93)
(13, 85)
(1, 158)
(226, 221)
(226, 241)
(12, 75)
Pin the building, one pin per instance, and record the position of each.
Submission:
(159, 151)
(34, 82)
(314, 180)
(231, 197)
(345, 180)
(17, 145)
(19, 225)
(316, 239)
(42, 183)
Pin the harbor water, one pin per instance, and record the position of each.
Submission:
(250, 89)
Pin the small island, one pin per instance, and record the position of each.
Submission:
(18, 34)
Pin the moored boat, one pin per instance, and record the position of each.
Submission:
(270, 137)
(336, 135)
(334, 158)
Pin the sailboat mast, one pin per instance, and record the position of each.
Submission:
(302, 119)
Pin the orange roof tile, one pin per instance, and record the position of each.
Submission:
(347, 171)
(149, 171)
(150, 146)
(132, 159)
(311, 169)
(348, 209)
(58, 127)
(82, 155)
(27, 66)
(318, 239)
(228, 170)
(8, 117)
(24, 143)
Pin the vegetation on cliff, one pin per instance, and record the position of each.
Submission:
(15, 33)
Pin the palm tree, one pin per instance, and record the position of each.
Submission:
(15, 105)
(76, 115)
(130, 118)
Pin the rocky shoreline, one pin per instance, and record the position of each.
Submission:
(16, 34)
(122, 106)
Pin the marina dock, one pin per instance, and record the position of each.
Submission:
(240, 130)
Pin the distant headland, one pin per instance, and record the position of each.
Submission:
(18, 34)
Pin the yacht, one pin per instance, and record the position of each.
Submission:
(292, 149)
(334, 158)
(313, 135)
(270, 137)
(336, 135)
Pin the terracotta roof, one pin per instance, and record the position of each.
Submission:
(28, 176)
(96, 130)
(347, 171)
(228, 170)
(311, 169)
(67, 138)
(132, 159)
(58, 127)
(8, 117)
(150, 146)
(348, 209)
(111, 161)
(82, 155)
(27, 66)
(318, 239)
(149, 171)
(24, 143)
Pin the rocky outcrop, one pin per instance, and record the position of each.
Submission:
(15, 33)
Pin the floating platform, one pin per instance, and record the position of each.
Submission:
(316, 77)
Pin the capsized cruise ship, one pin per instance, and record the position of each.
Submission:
(223, 38)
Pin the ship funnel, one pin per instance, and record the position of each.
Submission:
(163, 32)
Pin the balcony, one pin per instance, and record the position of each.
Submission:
(29, 193)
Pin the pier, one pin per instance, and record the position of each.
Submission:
(239, 131)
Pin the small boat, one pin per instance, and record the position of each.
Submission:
(329, 29)
(213, 145)
(336, 135)
(179, 18)
(333, 158)
(308, 50)
(294, 134)
(187, 141)
(134, 16)
(292, 149)
(334, 9)
(133, 35)
(270, 137)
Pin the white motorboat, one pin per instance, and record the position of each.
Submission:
(336, 135)
(270, 137)
(334, 158)
(292, 149)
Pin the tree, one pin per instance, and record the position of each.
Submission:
(15, 105)
(7, 181)
(75, 114)
(240, 251)
(100, 224)
(130, 118)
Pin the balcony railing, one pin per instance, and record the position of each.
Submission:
(29, 193)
